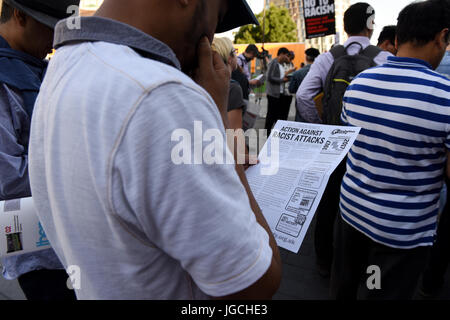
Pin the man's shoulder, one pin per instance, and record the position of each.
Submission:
(127, 67)
(302, 71)
(273, 63)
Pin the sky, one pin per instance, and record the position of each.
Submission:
(386, 12)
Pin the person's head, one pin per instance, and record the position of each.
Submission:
(291, 56)
(180, 24)
(224, 47)
(424, 29)
(283, 55)
(311, 55)
(386, 40)
(359, 20)
(24, 33)
(251, 52)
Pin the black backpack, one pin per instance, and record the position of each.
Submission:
(344, 69)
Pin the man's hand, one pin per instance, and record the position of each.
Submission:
(213, 75)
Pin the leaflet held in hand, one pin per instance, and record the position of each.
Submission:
(290, 179)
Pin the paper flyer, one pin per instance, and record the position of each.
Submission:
(20, 229)
(288, 185)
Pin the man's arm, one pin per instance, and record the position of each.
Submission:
(14, 181)
(271, 74)
(212, 67)
(311, 86)
(269, 283)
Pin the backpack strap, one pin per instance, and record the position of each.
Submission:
(371, 52)
(352, 43)
(338, 51)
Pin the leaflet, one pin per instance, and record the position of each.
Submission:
(259, 78)
(20, 229)
(290, 179)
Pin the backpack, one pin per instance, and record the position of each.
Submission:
(344, 69)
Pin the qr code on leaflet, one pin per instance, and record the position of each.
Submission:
(14, 242)
(304, 204)
(301, 200)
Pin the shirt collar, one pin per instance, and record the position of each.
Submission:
(4, 44)
(408, 62)
(364, 41)
(108, 30)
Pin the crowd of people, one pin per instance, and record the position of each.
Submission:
(87, 135)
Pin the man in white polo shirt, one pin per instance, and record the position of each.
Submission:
(110, 198)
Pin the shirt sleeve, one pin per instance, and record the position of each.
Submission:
(197, 213)
(235, 99)
(240, 62)
(344, 119)
(311, 86)
(14, 181)
(271, 73)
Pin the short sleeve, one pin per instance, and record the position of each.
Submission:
(196, 213)
(235, 99)
(344, 120)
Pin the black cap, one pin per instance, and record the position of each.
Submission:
(47, 12)
(239, 14)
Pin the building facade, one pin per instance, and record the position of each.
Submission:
(295, 8)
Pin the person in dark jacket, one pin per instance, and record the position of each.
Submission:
(298, 76)
(26, 35)
(278, 100)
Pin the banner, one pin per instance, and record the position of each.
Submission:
(320, 18)
(20, 229)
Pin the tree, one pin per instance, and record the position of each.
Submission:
(279, 28)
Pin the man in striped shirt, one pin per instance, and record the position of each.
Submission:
(395, 170)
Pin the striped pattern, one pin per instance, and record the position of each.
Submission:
(395, 169)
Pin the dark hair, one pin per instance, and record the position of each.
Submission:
(251, 48)
(388, 33)
(420, 22)
(291, 54)
(7, 12)
(356, 18)
(312, 54)
(282, 50)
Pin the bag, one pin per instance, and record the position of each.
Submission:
(344, 69)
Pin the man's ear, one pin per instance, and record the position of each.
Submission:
(20, 17)
(442, 39)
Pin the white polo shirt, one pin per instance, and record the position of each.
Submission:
(110, 198)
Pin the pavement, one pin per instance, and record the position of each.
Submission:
(300, 279)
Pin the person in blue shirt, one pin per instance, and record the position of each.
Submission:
(389, 199)
(298, 76)
(26, 37)
(433, 277)
(444, 67)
